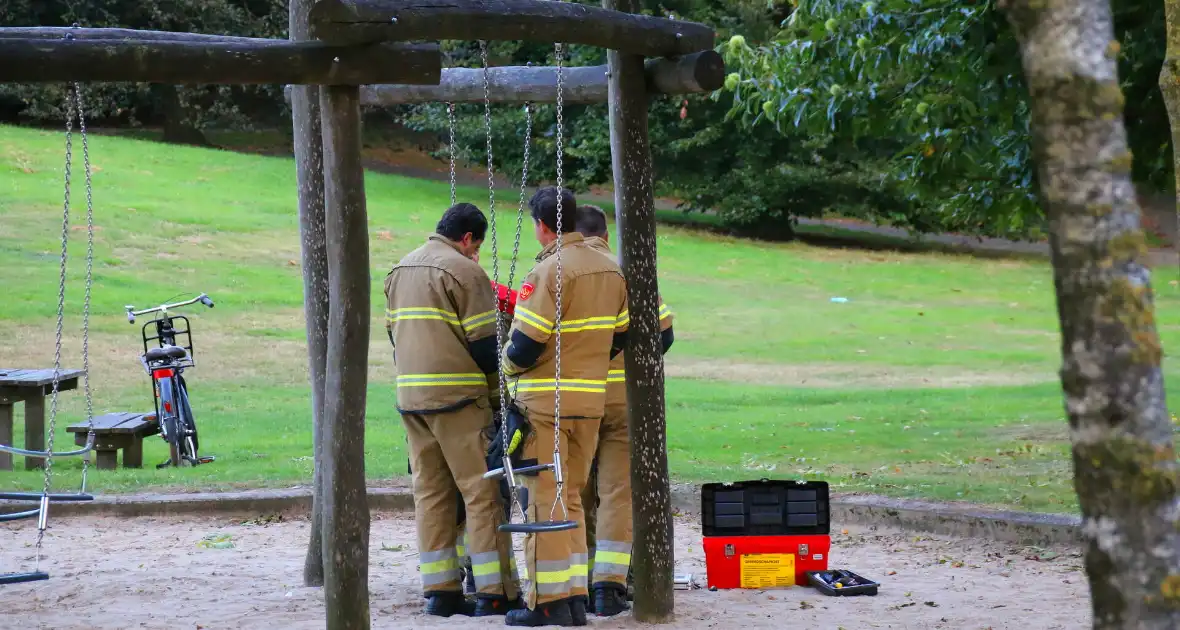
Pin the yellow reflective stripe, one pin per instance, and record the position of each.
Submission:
(665, 312)
(567, 385)
(534, 320)
(422, 312)
(612, 557)
(554, 577)
(450, 564)
(623, 319)
(589, 323)
(486, 568)
(481, 319)
(616, 376)
(440, 380)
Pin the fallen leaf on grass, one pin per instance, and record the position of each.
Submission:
(900, 606)
(931, 604)
(385, 547)
(805, 605)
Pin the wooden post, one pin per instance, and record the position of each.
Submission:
(652, 560)
(346, 509)
(254, 61)
(309, 165)
(35, 428)
(691, 74)
(6, 433)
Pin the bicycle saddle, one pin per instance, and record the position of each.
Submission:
(167, 352)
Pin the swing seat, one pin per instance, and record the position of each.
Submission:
(36, 496)
(498, 473)
(19, 578)
(17, 516)
(541, 527)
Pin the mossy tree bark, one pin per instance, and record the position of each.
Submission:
(1170, 88)
(1125, 467)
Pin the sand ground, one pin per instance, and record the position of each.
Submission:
(155, 573)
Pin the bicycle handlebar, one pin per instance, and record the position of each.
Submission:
(163, 308)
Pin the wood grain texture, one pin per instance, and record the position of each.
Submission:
(243, 61)
(345, 503)
(309, 175)
(355, 21)
(692, 74)
(651, 505)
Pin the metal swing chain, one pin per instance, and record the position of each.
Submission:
(453, 147)
(42, 521)
(500, 324)
(558, 473)
(89, 281)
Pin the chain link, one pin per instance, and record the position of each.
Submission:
(47, 463)
(454, 149)
(89, 279)
(559, 52)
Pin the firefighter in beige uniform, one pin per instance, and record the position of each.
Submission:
(594, 322)
(441, 320)
(606, 498)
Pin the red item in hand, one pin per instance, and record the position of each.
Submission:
(505, 298)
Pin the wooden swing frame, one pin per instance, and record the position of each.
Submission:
(343, 54)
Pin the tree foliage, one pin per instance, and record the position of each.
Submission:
(932, 91)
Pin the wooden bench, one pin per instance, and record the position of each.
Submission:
(114, 431)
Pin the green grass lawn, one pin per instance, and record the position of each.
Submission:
(935, 379)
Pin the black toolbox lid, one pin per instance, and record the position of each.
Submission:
(766, 507)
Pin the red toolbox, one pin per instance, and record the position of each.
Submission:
(764, 561)
(765, 533)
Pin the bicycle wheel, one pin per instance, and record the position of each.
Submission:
(171, 422)
(189, 420)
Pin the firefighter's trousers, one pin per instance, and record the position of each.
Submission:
(606, 500)
(557, 561)
(447, 455)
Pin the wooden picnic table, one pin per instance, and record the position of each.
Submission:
(30, 387)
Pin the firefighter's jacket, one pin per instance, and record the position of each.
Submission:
(594, 323)
(441, 316)
(616, 380)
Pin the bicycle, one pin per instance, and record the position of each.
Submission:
(166, 362)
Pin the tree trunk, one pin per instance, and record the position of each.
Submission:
(309, 164)
(345, 505)
(177, 127)
(1125, 469)
(652, 561)
(1170, 88)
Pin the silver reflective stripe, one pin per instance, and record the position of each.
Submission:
(486, 569)
(579, 569)
(611, 559)
(553, 577)
(438, 567)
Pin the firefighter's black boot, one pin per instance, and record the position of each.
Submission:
(491, 606)
(609, 599)
(448, 603)
(550, 614)
(578, 610)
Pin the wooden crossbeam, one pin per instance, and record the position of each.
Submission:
(691, 74)
(118, 55)
(356, 21)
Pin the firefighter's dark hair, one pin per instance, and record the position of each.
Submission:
(591, 221)
(460, 219)
(543, 208)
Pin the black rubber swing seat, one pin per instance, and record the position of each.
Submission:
(17, 516)
(166, 352)
(53, 498)
(20, 578)
(498, 473)
(537, 528)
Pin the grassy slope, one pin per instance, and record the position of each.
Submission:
(935, 379)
